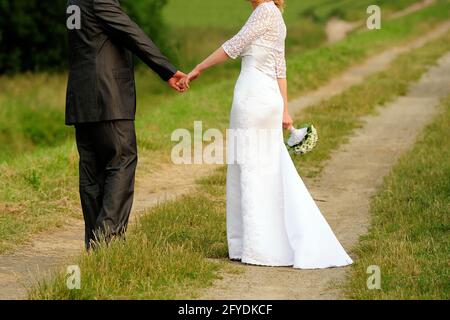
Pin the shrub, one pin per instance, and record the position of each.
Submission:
(33, 32)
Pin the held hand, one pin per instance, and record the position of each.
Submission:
(287, 121)
(174, 82)
(194, 74)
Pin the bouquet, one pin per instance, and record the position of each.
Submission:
(303, 140)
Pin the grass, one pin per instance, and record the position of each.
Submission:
(340, 115)
(31, 113)
(37, 194)
(352, 10)
(232, 13)
(408, 238)
(164, 256)
(34, 176)
(200, 26)
(195, 224)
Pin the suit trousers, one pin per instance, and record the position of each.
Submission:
(108, 160)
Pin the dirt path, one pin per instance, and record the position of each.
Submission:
(350, 178)
(337, 29)
(357, 74)
(47, 250)
(413, 8)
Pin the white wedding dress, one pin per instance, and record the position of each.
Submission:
(272, 219)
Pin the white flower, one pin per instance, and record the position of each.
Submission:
(307, 142)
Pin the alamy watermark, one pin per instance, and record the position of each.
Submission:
(374, 280)
(73, 277)
(74, 17)
(244, 146)
(374, 20)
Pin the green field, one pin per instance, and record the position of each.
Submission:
(232, 13)
(199, 26)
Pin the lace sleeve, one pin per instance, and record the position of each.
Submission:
(280, 64)
(258, 23)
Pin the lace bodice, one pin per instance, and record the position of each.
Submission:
(265, 28)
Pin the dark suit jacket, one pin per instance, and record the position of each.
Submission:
(101, 83)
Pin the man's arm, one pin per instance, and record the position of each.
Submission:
(120, 27)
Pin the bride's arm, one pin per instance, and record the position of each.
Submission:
(280, 68)
(261, 19)
(219, 56)
(287, 120)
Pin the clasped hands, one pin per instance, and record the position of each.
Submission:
(180, 81)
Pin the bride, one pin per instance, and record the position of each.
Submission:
(272, 219)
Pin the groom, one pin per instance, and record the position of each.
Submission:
(101, 104)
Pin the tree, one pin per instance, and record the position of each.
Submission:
(33, 33)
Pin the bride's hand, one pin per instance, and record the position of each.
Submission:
(287, 121)
(194, 74)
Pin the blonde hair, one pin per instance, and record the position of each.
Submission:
(279, 4)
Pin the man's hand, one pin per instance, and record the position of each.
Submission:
(174, 82)
(193, 75)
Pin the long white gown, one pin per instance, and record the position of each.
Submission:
(272, 219)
